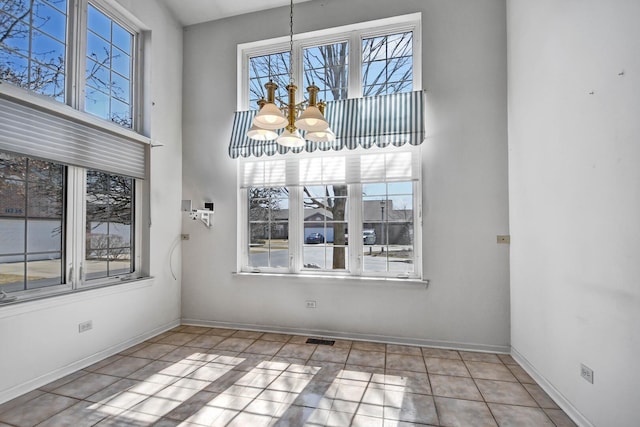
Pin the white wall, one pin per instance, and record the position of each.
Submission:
(574, 189)
(465, 185)
(39, 339)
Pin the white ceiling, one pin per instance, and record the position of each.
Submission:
(190, 12)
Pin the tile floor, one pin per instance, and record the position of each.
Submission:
(196, 376)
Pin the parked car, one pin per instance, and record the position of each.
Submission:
(368, 237)
(314, 238)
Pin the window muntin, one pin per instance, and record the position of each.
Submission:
(109, 225)
(32, 223)
(33, 52)
(268, 227)
(108, 69)
(388, 227)
(387, 64)
(264, 68)
(327, 67)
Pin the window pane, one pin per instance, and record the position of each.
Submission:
(387, 227)
(96, 102)
(327, 67)
(99, 23)
(17, 38)
(98, 49)
(31, 223)
(323, 257)
(13, 198)
(44, 270)
(33, 51)
(387, 64)
(12, 273)
(12, 235)
(55, 22)
(121, 63)
(12, 166)
(120, 88)
(43, 235)
(109, 64)
(109, 227)
(97, 76)
(122, 39)
(47, 50)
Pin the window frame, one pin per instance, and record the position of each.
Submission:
(355, 265)
(353, 34)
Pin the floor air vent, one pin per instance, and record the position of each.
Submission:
(319, 341)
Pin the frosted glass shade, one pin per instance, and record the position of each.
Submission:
(289, 139)
(259, 134)
(326, 135)
(312, 120)
(270, 117)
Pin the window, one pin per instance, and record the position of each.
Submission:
(36, 38)
(351, 214)
(32, 223)
(367, 59)
(37, 247)
(69, 191)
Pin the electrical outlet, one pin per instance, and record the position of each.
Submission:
(311, 304)
(185, 236)
(586, 373)
(85, 326)
(504, 239)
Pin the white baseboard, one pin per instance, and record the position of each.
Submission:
(19, 390)
(352, 336)
(553, 392)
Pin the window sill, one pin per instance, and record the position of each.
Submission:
(25, 304)
(382, 280)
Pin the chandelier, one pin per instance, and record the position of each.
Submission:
(291, 116)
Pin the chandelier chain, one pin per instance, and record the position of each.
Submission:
(291, 43)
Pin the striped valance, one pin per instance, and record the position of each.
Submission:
(384, 120)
